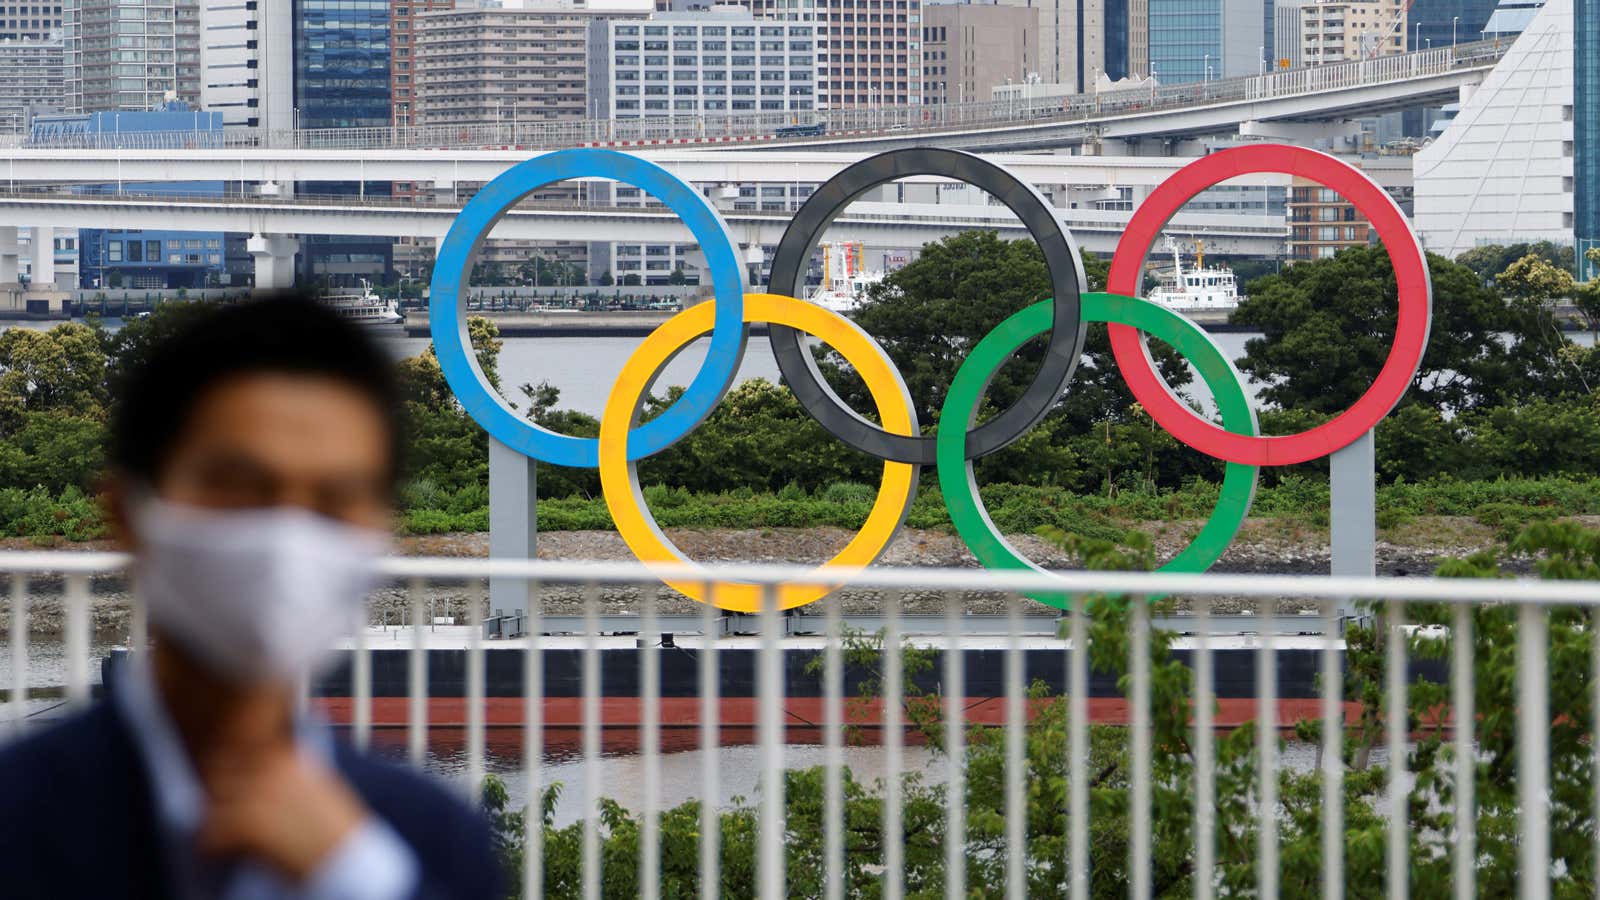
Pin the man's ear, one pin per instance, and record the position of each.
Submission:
(116, 499)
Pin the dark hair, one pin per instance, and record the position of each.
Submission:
(287, 332)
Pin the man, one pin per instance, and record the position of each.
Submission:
(253, 456)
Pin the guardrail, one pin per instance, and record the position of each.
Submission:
(763, 127)
(1033, 844)
(1201, 223)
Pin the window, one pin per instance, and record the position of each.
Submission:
(135, 251)
(152, 250)
(114, 251)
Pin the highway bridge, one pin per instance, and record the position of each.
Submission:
(888, 225)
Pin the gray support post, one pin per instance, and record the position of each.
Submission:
(513, 523)
(1352, 512)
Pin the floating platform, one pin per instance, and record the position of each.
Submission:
(1045, 660)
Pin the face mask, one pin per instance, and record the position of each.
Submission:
(258, 594)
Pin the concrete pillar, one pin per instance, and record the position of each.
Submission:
(513, 523)
(44, 258)
(274, 256)
(10, 251)
(1353, 509)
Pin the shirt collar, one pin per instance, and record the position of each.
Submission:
(180, 800)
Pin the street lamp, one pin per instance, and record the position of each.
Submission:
(1416, 37)
(1261, 57)
(1454, 21)
(1205, 74)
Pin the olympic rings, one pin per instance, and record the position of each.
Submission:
(619, 476)
(961, 406)
(899, 442)
(1411, 327)
(791, 259)
(453, 268)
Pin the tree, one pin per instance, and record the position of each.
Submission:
(1492, 259)
(62, 370)
(1328, 325)
(444, 446)
(928, 314)
(677, 276)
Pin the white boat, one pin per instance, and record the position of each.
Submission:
(1199, 288)
(845, 278)
(365, 308)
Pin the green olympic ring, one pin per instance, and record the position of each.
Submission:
(965, 398)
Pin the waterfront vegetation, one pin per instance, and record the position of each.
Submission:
(1559, 551)
(1502, 425)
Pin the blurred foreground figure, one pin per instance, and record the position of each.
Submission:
(253, 460)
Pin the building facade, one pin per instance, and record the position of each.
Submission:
(130, 54)
(1436, 23)
(869, 52)
(403, 54)
(1335, 32)
(1203, 40)
(1081, 40)
(32, 80)
(715, 63)
(1288, 28)
(969, 50)
(247, 63)
(505, 66)
(1505, 168)
(1586, 133)
(341, 64)
(1322, 222)
(30, 20)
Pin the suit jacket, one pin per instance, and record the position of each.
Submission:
(76, 818)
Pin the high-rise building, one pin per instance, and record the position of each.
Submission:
(1202, 40)
(403, 54)
(32, 80)
(1342, 30)
(720, 62)
(1082, 40)
(1507, 167)
(1586, 133)
(247, 64)
(29, 20)
(967, 50)
(505, 66)
(869, 52)
(341, 64)
(130, 54)
(1288, 22)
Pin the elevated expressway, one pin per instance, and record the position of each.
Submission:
(874, 224)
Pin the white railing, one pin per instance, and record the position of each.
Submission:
(1003, 718)
(865, 120)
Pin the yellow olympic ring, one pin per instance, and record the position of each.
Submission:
(619, 479)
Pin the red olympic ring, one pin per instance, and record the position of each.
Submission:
(1411, 327)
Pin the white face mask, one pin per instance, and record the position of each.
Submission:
(258, 594)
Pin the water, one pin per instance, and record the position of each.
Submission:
(584, 368)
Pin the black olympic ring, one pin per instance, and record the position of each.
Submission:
(1067, 280)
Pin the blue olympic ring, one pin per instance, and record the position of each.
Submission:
(453, 268)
